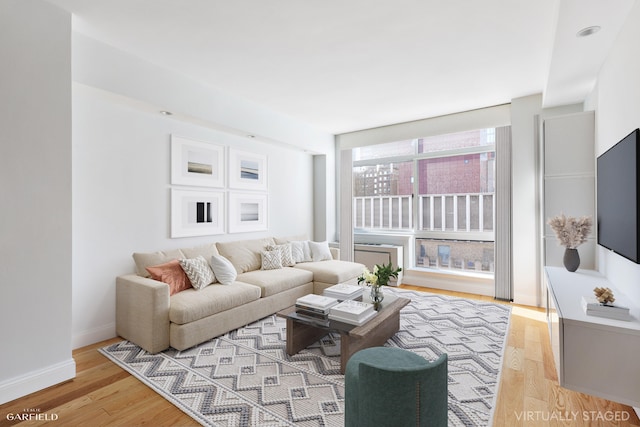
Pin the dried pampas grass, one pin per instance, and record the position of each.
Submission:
(570, 231)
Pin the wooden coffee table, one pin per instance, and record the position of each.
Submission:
(302, 332)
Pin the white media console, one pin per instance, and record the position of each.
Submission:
(593, 355)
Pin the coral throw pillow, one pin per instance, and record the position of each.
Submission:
(172, 274)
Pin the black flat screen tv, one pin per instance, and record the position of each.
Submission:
(618, 188)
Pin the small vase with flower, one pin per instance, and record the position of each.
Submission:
(571, 232)
(377, 279)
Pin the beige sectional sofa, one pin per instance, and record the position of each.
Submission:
(149, 316)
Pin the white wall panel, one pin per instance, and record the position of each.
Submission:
(569, 179)
(35, 188)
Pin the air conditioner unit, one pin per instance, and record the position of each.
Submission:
(372, 254)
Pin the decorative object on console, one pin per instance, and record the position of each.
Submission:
(571, 233)
(571, 259)
(380, 277)
(196, 163)
(196, 213)
(604, 295)
(592, 307)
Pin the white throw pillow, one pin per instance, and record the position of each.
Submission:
(198, 271)
(285, 253)
(300, 251)
(223, 269)
(271, 260)
(320, 251)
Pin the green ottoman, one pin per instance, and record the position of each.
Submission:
(387, 386)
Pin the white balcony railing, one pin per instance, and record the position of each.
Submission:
(383, 212)
(471, 212)
(456, 212)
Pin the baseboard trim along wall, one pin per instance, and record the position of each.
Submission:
(31, 382)
(92, 336)
(470, 283)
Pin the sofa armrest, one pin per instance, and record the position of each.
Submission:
(142, 312)
(335, 252)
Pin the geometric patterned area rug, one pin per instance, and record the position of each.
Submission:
(245, 377)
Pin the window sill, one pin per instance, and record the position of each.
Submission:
(489, 275)
(452, 280)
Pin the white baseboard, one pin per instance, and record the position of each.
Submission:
(31, 382)
(93, 336)
(469, 283)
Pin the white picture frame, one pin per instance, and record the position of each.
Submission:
(247, 171)
(197, 163)
(248, 212)
(197, 212)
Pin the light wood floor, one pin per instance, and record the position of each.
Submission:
(102, 394)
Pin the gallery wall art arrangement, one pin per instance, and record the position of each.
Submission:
(216, 189)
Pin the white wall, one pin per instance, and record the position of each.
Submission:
(527, 118)
(121, 195)
(616, 100)
(35, 183)
(121, 198)
(525, 208)
(99, 65)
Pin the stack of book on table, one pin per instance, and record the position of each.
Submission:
(344, 291)
(315, 307)
(592, 307)
(352, 312)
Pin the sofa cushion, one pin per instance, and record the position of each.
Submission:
(245, 255)
(300, 251)
(144, 260)
(223, 269)
(281, 240)
(191, 305)
(271, 260)
(198, 271)
(207, 251)
(333, 271)
(286, 256)
(172, 274)
(320, 251)
(272, 282)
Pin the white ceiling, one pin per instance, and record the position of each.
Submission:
(348, 65)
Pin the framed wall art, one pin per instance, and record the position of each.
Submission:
(196, 163)
(247, 171)
(196, 213)
(248, 212)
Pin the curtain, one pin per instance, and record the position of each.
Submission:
(503, 246)
(346, 205)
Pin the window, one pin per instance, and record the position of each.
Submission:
(456, 193)
(440, 189)
(382, 196)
